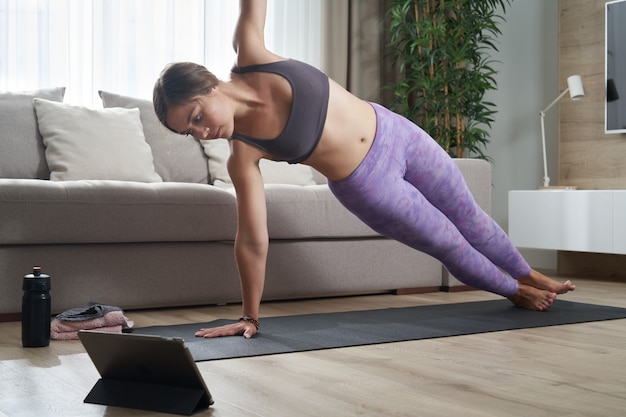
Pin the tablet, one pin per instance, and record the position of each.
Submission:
(145, 372)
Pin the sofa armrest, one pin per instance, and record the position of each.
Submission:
(477, 174)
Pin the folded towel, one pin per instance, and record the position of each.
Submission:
(91, 311)
(74, 335)
(113, 321)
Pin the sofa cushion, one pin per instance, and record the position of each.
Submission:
(67, 212)
(88, 144)
(177, 158)
(274, 172)
(21, 146)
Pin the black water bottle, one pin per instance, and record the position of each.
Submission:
(36, 309)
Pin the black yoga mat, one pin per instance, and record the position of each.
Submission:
(334, 330)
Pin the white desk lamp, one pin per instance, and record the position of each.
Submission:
(576, 92)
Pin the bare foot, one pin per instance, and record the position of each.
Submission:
(542, 282)
(532, 298)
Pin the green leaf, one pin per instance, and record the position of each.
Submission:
(446, 63)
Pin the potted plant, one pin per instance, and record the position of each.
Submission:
(441, 48)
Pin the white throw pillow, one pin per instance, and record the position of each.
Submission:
(218, 151)
(177, 158)
(88, 144)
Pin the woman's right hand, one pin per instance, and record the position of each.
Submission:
(244, 328)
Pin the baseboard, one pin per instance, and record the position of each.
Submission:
(10, 317)
(423, 290)
(457, 288)
(416, 290)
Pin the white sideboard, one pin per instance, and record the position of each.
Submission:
(569, 220)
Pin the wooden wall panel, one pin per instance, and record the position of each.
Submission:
(588, 158)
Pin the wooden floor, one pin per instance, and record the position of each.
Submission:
(572, 370)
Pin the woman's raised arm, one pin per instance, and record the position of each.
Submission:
(249, 37)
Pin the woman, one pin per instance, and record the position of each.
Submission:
(382, 167)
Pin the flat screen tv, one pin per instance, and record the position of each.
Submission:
(615, 71)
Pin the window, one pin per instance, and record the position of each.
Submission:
(121, 45)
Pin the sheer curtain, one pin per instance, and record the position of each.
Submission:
(121, 45)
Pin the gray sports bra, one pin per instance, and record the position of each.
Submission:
(303, 130)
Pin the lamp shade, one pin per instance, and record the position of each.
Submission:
(575, 85)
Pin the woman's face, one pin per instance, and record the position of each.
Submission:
(202, 117)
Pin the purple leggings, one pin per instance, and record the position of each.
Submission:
(407, 188)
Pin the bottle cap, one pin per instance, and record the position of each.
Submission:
(36, 281)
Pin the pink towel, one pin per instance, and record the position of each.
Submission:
(112, 322)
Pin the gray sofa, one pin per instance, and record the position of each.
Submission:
(162, 242)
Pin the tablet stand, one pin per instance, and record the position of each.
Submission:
(147, 396)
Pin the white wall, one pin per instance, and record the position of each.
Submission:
(527, 81)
